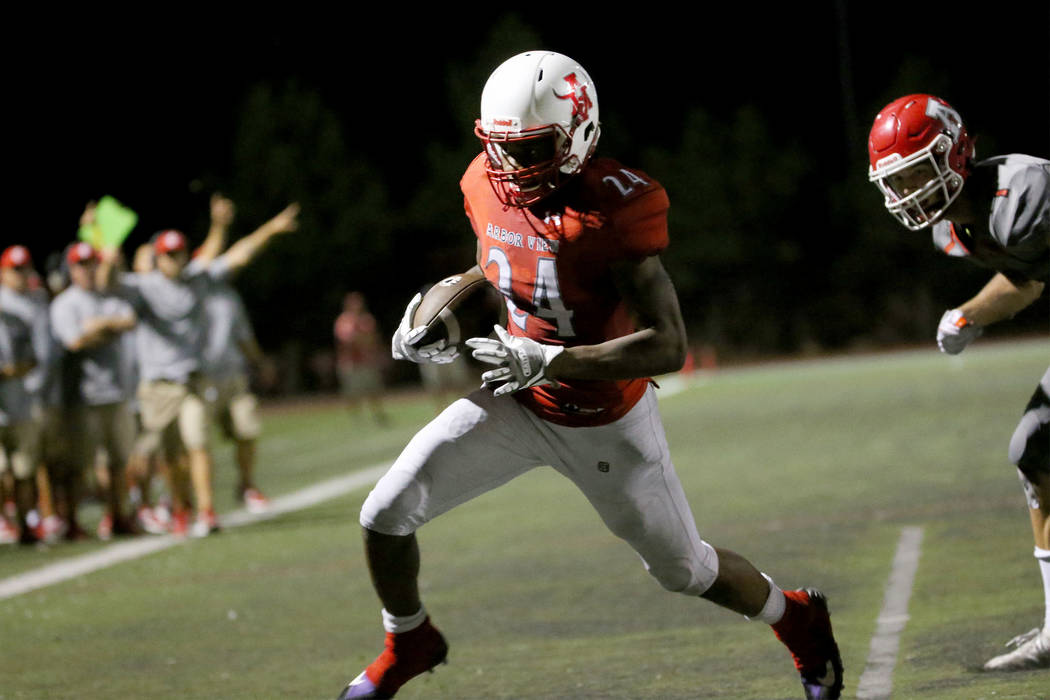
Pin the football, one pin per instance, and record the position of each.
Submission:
(457, 308)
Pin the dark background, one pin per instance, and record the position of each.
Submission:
(754, 119)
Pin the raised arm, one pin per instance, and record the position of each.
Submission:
(244, 251)
(222, 212)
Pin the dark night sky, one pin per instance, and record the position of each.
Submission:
(140, 112)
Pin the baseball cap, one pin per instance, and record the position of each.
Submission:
(15, 256)
(80, 252)
(168, 242)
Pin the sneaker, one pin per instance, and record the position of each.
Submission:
(8, 532)
(806, 631)
(149, 521)
(255, 501)
(205, 524)
(406, 655)
(180, 523)
(105, 527)
(51, 529)
(1032, 650)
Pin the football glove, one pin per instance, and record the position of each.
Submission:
(402, 344)
(955, 332)
(520, 362)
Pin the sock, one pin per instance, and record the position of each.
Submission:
(1043, 557)
(775, 605)
(397, 625)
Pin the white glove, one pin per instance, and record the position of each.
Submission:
(401, 345)
(955, 332)
(521, 362)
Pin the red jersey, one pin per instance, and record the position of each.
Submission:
(555, 274)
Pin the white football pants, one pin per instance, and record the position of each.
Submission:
(623, 468)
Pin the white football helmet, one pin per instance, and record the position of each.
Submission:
(538, 125)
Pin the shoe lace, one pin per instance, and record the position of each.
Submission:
(1023, 638)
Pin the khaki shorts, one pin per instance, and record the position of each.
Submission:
(20, 448)
(109, 427)
(235, 407)
(173, 410)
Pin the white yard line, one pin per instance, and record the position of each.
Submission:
(140, 547)
(877, 680)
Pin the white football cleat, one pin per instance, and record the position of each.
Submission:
(1033, 651)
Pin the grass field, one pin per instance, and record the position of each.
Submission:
(810, 469)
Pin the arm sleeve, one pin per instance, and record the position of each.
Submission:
(641, 225)
(64, 322)
(1021, 215)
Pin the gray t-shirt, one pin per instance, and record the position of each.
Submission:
(172, 326)
(15, 346)
(98, 368)
(31, 308)
(228, 328)
(1014, 239)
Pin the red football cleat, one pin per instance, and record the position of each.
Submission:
(406, 656)
(806, 631)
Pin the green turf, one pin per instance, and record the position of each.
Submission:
(809, 469)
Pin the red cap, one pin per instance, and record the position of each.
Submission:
(16, 256)
(168, 242)
(80, 252)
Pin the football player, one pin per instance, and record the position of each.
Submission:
(572, 243)
(994, 213)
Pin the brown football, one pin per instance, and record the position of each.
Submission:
(457, 308)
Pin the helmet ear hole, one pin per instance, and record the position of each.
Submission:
(588, 131)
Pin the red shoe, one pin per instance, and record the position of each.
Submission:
(180, 523)
(406, 656)
(806, 631)
(51, 529)
(8, 532)
(105, 527)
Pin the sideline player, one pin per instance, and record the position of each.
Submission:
(22, 295)
(90, 326)
(572, 244)
(995, 213)
(169, 304)
(230, 350)
(360, 355)
(16, 436)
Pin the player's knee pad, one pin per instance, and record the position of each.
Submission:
(396, 506)
(1030, 444)
(684, 575)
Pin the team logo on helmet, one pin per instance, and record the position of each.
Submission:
(581, 102)
(935, 109)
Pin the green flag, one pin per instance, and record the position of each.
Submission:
(113, 223)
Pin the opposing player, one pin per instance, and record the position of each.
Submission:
(573, 245)
(996, 214)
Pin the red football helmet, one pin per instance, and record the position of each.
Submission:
(538, 125)
(920, 156)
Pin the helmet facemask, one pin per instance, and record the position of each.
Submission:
(524, 167)
(920, 187)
